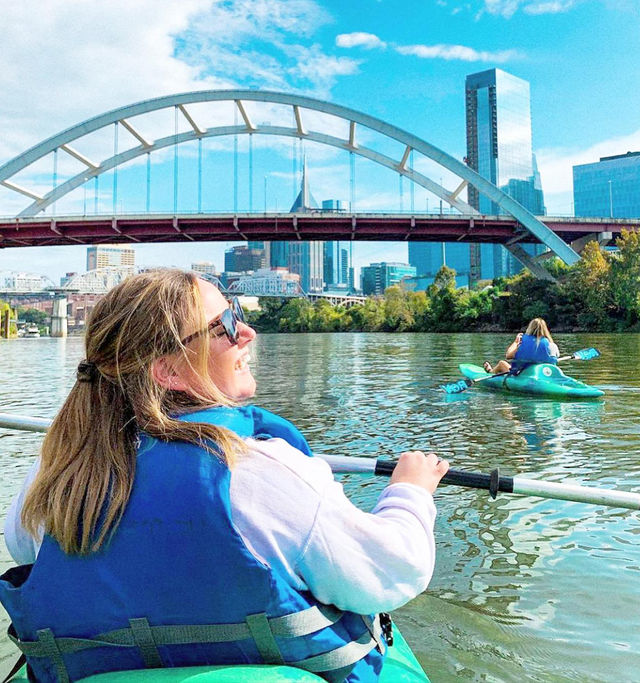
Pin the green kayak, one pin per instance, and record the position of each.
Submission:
(542, 379)
(400, 666)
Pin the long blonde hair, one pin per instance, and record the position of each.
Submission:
(538, 328)
(88, 456)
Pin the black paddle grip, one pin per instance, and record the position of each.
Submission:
(492, 482)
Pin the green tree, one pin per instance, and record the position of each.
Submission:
(625, 276)
(589, 295)
(326, 318)
(296, 316)
(33, 315)
(398, 316)
(369, 316)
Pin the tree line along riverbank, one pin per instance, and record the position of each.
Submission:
(601, 293)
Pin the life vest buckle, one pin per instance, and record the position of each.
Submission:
(387, 628)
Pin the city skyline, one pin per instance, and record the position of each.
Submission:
(406, 66)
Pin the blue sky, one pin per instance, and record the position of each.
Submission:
(404, 62)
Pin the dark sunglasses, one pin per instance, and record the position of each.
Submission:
(227, 324)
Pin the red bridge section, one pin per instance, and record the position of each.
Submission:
(74, 230)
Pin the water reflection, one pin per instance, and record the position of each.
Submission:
(525, 588)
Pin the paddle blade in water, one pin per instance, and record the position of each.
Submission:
(586, 354)
(457, 387)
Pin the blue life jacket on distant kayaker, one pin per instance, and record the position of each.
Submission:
(175, 585)
(531, 351)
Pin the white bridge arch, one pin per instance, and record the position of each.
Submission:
(62, 141)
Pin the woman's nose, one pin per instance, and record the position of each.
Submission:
(246, 333)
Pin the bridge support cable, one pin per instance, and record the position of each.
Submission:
(115, 168)
(54, 180)
(175, 160)
(298, 103)
(148, 179)
(200, 175)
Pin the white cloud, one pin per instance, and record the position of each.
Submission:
(554, 7)
(507, 8)
(556, 168)
(456, 52)
(280, 55)
(68, 59)
(359, 39)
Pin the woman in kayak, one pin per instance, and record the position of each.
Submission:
(167, 525)
(536, 345)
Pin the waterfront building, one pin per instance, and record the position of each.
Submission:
(241, 259)
(102, 255)
(205, 267)
(376, 277)
(609, 187)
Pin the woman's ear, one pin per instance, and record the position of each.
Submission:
(165, 373)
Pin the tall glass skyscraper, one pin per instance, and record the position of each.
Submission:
(336, 264)
(499, 148)
(609, 187)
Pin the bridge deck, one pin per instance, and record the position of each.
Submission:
(73, 230)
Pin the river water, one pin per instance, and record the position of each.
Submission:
(524, 588)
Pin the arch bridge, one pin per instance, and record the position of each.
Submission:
(29, 227)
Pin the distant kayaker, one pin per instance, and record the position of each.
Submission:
(536, 345)
(183, 528)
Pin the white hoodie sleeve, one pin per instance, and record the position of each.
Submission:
(295, 517)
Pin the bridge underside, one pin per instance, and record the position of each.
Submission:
(47, 231)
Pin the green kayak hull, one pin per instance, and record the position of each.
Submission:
(400, 666)
(542, 379)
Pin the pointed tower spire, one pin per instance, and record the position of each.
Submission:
(305, 201)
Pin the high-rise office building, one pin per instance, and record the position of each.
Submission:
(266, 248)
(428, 257)
(336, 265)
(376, 277)
(205, 267)
(242, 259)
(499, 148)
(609, 187)
(102, 255)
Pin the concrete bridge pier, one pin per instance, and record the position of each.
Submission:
(59, 317)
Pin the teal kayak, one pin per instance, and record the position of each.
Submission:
(542, 379)
(400, 666)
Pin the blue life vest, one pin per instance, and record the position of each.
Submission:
(531, 351)
(175, 584)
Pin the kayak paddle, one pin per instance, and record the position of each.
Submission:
(463, 384)
(494, 483)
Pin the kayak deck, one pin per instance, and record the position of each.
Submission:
(542, 379)
(400, 666)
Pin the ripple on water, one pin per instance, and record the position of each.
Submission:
(524, 588)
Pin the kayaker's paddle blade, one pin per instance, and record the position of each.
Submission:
(457, 387)
(586, 354)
